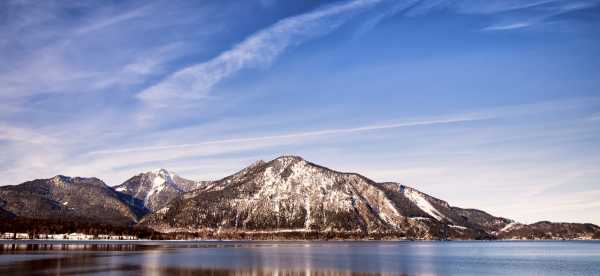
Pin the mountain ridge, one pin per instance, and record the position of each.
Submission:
(287, 197)
(251, 201)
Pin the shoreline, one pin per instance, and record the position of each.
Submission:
(58, 241)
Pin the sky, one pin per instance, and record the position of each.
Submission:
(488, 104)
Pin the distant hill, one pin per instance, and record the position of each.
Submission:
(64, 198)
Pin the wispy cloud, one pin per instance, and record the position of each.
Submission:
(259, 49)
(308, 134)
(112, 20)
(145, 64)
(38, 36)
(527, 14)
(498, 6)
(31, 76)
(514, 14)
(23, 135)
(512, 26)
(173, 150)
(380, 16)
(108, 161)
(164, 148)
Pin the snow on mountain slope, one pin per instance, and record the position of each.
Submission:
(423, 204)
(509, 226)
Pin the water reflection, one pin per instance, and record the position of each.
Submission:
(300, 258)
(96, 265)
(7, 248)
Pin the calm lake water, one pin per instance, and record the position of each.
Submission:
(299, 258)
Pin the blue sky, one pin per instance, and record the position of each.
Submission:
(493, 104)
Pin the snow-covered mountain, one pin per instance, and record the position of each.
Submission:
(287, 197)
(291, 194)
(156, 188)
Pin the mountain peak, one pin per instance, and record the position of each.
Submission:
(289, 158)
(160, 178)
(157, 187)
(162, 171)
(61, 178)
(287, 161)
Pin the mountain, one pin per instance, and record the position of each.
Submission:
(285, 198)
(156, 188)
(545, 230)
(290, 194)
(67, 198)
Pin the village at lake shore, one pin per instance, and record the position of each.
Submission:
(68, 236)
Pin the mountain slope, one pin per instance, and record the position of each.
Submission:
(155, 189)
(291, 194)
(67, 198)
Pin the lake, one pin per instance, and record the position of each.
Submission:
(300, 258)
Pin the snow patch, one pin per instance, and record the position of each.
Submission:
(420, 218)
(458, 227)
(508, 226)
(158, 180)
(159, 183)
(423, 204)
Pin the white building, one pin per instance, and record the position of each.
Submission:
(117, 237)
(56, 236)
(79, 236)
(22, 236)
(7, 236)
